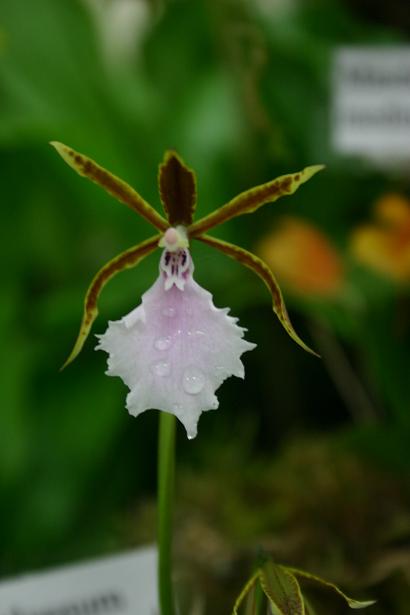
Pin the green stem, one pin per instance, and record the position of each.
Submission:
(166, 471)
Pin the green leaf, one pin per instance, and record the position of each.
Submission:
(245, 593)
(251, 605)
(308, 607)
(282, 589)
(354, 604)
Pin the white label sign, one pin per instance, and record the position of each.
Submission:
(119, 585)
(371, 102)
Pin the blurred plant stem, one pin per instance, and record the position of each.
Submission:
(349, 385)
(166, 472)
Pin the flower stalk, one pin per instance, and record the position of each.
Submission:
(166, 473)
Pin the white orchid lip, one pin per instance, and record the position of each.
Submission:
(175, 349)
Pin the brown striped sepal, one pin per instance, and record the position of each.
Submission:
(177, 189)
(115, 186)
(250, 200)
(261, 269)
(130, 258)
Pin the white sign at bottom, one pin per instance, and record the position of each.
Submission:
(120, 585)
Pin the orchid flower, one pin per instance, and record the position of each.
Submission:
(175, 349)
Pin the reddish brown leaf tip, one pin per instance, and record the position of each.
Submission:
(177, 188)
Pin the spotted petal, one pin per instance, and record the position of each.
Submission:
(263, 271)
(119, 189)
(174, 351)
(129, 258)
(249, 201)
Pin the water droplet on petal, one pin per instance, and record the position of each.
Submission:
(162, 343)
(191, 435)
(169, 311)
(161, 368)
(196, 333)
(193, 380)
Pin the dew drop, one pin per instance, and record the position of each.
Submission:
(191, 435)
(162, 343)
(193, 380)
(169, 311)
(161, 368)
(196, 333)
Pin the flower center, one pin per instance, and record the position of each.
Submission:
(175, 267)
(174, 239)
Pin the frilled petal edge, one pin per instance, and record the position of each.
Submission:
(174, 350)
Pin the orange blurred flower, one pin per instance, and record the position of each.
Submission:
(384, 244)
(303, 258)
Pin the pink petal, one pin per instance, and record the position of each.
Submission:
(174, 350)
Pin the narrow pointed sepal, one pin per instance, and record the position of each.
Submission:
(262, 270)
(116, 187)
(177, 189)
(125, 260)
(249, 201)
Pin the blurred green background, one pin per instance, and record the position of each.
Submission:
(308, 460)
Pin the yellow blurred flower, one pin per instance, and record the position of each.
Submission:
(303, 258)
(384, 245)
